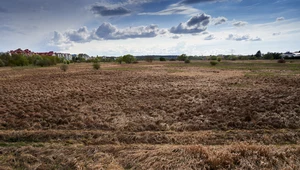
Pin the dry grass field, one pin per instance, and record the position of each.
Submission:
(160, 115)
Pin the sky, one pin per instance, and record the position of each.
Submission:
(150, 27)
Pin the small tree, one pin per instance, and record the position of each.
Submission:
(258, 54)
(182, 57)
(219, 59)
(187, 61)
(128, 58)
(213, 57)
(1, 63)
(162, 59)
(119, 60)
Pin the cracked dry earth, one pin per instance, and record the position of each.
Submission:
(148, 116)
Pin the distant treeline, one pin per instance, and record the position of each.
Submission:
(24, 60)
(257, 56)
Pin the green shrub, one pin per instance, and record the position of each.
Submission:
(172, 59)
(64, 67)
(187, 61)
(162, 59)
(182, 57)
(128, 58)
(96, 66)
(18, 60)
(219, 59)
(119, 60)
(1, 63)
(213, 58)
(213, 63)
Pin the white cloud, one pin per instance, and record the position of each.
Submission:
(219, 20)
(276, 33)
(280, 19)
(176, 36)
(237, 37)
(210, 37)
(195, 24)
(174, 9)
(240, 23)
(106, 31)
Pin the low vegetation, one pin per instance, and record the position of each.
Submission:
(159, 115)
(64, 67)
(96, 65)
(213, 63)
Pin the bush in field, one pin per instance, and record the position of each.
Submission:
(64, 67)
(187, 61)
(182, 57)
(119, 60)
(213, 63)
(281, 61)
(172, 59)
(1, 63)
(213, 58)
(96, 65)
(66, 62)
(18, 60)
(219, 59)
(162, 59)
(6, 58)
(128, 58)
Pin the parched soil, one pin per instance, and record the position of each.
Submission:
(156, 115)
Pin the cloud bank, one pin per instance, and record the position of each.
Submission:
(105, 11)
(236, 37)
(105, 31)
(239, 23)
(195, 24)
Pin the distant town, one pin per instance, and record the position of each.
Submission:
(68, 56)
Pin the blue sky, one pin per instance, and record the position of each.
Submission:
(144, 27)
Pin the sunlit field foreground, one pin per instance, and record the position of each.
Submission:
(159, 115)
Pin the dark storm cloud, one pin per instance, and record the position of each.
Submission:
(104, 11)
(196, 24)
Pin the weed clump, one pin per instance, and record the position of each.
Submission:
(213, 63)
(64, 67)
(162, 59)
(187, 61)
(219, 59)
(96, 66)
(1, 63)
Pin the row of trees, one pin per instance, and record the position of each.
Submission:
(23, 60)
